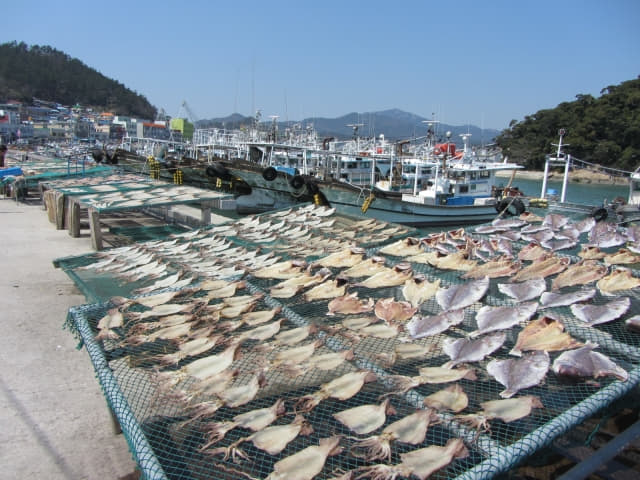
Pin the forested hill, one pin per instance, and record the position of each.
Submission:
(42, 72)
(603, 130)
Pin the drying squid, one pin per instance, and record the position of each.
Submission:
(365, 418)
(411, 429)
(401, 383)
(450, 398)
(341, 388)
(206, 367)
(272, 439)
(190, 348)
(420, 463)
(113, 319)
(241, 394)
(508, 410)
(295, 355)
(294, 335)
(307, 463)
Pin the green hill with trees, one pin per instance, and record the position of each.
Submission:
(603, 130)
(28, 72)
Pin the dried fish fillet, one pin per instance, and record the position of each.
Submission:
(618, 280)
(490, 319)
(349, 304)
(542, 268)
(502, 267)
(582, 273)
(392, 311)
(621, 257)
(418, 289)
(545, 334)
(518, 374)
(403, 247)
(532, 252)
(464, 350)
(523, 291)
(591, 253)
(328, 289)
(419, 327)
(463, 295)
(366, 268)
(548, 299)
(597, 314)
(398, 275)
(584, 362)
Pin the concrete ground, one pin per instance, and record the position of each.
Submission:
(54, 420)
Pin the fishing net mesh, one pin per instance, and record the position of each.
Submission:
(168, 416)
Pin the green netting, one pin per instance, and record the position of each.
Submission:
(168, 417)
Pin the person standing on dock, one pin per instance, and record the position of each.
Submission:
(3, 151)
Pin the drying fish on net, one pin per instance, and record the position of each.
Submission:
(464, 350)
(622, 257)
(321, 361)
(347, 257)
(605, 235)
(113, 319)
(523, 291)
(367, 267)
(591, 253)
(189, 348)
(425, 326)
(532, 252)
(424, 257)
(165, 309)
(598, 314)
(295, 355)
(405, 351)
(633, 323)
(558, 244)
(175, 281)
(392, 311)
(544, 334)
(530, 217)
(228, 290)
(451, 398)
(555, 221)
(548, 299)
(403, 247)
(581, 273)
(508, 222)
(207, 367)
(508, 410)
(501, 267)
(463, 295)
(282, 270)
(529, 229)
(569, 232)
(350, 304)
(365, 419)
(365, 327)
(585, 362)
(294, 335)
(540, 236)
(521, 373)
(542, 267)
(431, 375)
(291, 286)
(418, 289)
(618, 280)
(490, 319)
(389, 277)
(340, 388)
(328, 289)
(420, 463)
(410, 430)
(585, 225)
(453, 261)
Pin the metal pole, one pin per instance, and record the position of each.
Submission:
(565, 179)
(544, 178)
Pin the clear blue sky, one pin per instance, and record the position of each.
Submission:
(469, 62)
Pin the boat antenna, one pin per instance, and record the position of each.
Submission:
(274, 127)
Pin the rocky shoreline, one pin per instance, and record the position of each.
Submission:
(575, 176)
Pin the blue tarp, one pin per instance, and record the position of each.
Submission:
(11, 171)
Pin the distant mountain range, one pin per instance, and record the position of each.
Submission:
(394, 124)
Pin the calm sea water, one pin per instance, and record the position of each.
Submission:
(588, 194)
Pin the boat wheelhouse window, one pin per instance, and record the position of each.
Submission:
(472, 175)
(426, 171)
(464, 189)
(473, 186)
(635, 185)
(484, 174)
(409, 169)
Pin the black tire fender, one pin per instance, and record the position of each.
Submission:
(269, 174)
(599, 214)
(296, 182)
(210, 171)
(518, 206)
